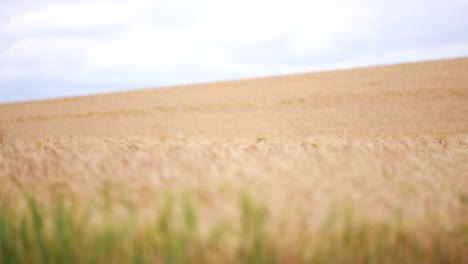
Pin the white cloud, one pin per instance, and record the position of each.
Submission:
(80, 17)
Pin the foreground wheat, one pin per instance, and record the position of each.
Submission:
(387, 199)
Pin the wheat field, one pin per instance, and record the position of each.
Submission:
(353, 166)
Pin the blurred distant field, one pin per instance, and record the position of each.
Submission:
(356, 166)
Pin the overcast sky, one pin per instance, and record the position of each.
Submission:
(55, 48)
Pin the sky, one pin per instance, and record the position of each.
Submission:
(57, 48)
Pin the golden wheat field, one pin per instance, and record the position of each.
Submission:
(353, 166)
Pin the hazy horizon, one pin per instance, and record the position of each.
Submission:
(116, 90)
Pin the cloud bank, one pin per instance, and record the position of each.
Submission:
(64, 48)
